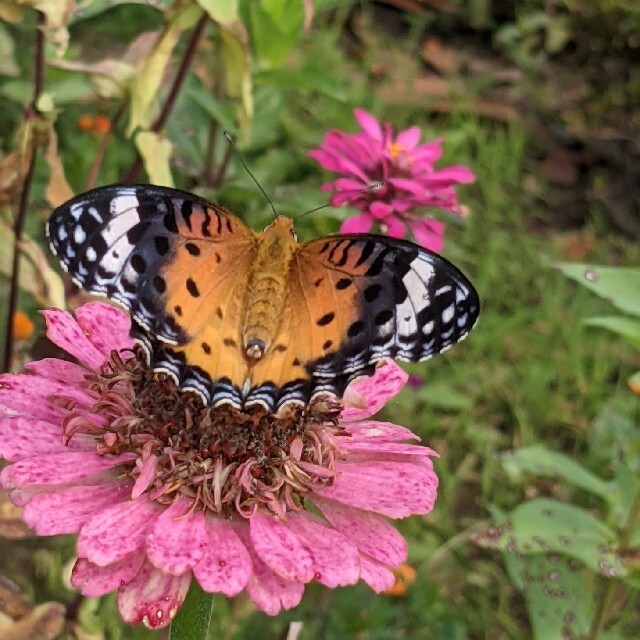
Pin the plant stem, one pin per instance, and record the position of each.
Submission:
(94, 169)
(192, 621)
(178, 81)
(30, 113)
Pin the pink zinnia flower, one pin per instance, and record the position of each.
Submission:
(389, 179)
(161, 489)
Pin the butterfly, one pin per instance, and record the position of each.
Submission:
(245, 318)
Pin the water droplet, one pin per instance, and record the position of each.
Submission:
(590, 275)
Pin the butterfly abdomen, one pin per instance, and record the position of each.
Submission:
(267, 287)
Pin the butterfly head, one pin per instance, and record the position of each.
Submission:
(281, 227)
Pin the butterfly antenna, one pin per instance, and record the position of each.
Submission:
(229, 139)
(306, 213)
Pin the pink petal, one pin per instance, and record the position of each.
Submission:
(176, 540)
(280, 549)
(268, 590)
(428, 234)
(94, 581)
(153, 597)
(225, 566)
(427, 154)
(456, 174)
(369, 124)
(380, 210)
(25, 437)
(357, 224)
(27, 395)
(395, 448)
(66, 333)
(408, 138)
(395, 227)
(336, 560)
(58, 468)
(58, 370)
(106, 326)
(370, 533)
(377, 390)
(394, 489)
(66, 510)
(116, 532)
(376, 575)
(410, 186)
(371, 430)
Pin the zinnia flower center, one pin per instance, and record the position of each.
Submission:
(228, 461)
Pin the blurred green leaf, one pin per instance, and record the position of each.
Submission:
(543, 525)
(222, 11)
(628, 328)
(275, 26)
(619, 285)
(8, 65)
(540, 461)
(90, 8)
(557, 593)
(222, 113)
(306, 78)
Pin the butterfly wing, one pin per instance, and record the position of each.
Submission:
(357, 299)
(178, 263)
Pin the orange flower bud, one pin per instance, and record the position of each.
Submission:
(405, 576)
(22, 326)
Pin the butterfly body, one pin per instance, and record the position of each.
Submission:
(247, 318)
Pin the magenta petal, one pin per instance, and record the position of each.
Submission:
(376, 575)
(369, 124)
(357, 224)
(369, 532)
(408, 138)
(394, 489)
(456, 174)
(395, 227)
(153, 597)
(66, 510)
(398, 449)
(176, 540)
(225, 566)
(380, 210)
(66, 333)
(58, 468)
(335, 558)
(116, 532)
(106, 326)
(428, 233)
(94, 581)
(25, 394)
(377, 390)
(280, 549)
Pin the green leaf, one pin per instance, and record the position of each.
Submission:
(222, 11)
(194, 617)
(540, 461)
(618, 285)
(8, 65)
(543, 525)
(91, 8)
(275, 26)
(558, 595)
(237, 69)
(307, 79)
(221, 113)
(156, 154)
(628, 328)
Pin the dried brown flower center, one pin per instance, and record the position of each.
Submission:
(225, 459)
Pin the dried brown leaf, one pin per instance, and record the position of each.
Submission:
(11, 524)
(58, 189)
(44, 622)
(13, 604)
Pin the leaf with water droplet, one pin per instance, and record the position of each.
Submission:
(618, 285)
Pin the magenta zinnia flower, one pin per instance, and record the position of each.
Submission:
(390, 179)
(161, 489)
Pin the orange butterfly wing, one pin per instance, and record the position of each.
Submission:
(354, 300)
